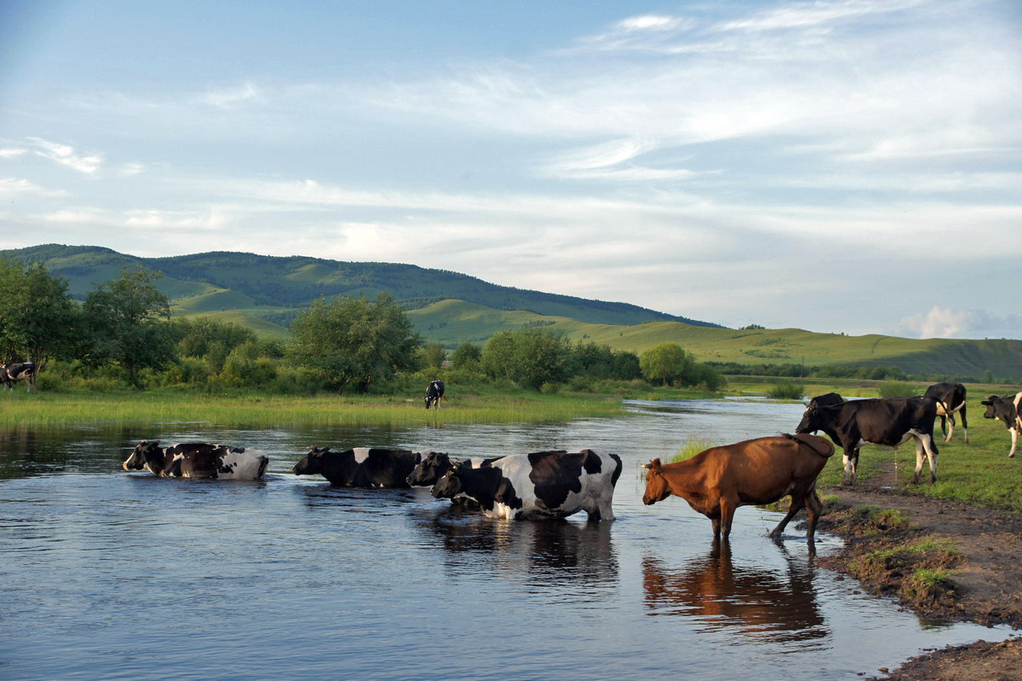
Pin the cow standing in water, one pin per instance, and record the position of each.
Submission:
(197, 460)
(715, 482)
(18, 371)
(434, 394)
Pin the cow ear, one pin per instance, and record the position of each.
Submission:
(654, 465)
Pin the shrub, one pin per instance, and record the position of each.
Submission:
(786, 390)
(897, 389)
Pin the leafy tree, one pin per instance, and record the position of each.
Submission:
(665, 362)
(357, 342)
(129, 321)
(38, 318)
(466, 356)
(434, 355)
(530, 357)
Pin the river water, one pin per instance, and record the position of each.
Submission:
(113, 575)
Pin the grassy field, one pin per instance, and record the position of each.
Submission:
(53, 409)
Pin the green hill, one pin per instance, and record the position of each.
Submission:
(265, 293)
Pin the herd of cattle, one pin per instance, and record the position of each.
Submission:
(557, 484)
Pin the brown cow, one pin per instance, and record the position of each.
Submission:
(717, 481)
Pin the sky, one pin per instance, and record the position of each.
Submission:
(845, 166)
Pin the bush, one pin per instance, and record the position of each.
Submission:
(897, 389)
(786, 390)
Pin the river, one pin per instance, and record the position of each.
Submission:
(114, 575)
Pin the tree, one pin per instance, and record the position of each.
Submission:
(466, 356)
(129, 321)
(350, 341)
(434, 355)
(530, 357)
(38, 319)
(665, 362)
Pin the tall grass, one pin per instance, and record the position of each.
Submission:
(41, 409)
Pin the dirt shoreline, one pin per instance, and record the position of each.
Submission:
(986, 560)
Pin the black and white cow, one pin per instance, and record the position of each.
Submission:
(434, 394)
(553, 484)
(889, 421)
(950, 399)
(197, 460)
(1005, 409)
(434, 465)
(18, 371)
(360, 467)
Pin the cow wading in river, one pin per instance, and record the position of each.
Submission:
(553, 484)
(360, 467)
(18, 371)
(889, 421)
(197, 460)
(950, 401)
(1005, 410)
(716, 481)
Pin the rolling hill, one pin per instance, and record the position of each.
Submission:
(266, 292)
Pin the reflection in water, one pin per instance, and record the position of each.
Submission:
(546, 554)
(758, 602)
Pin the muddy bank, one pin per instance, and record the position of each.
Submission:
(970, 560)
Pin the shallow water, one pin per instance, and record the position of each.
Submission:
(107, 574)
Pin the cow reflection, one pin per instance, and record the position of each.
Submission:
(547, 552)
(757, 601)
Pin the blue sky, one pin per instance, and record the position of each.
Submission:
(844, 166)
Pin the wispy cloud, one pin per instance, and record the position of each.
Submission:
(66, 155)
(11, 187)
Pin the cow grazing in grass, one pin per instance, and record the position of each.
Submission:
(1005, 410)
(716, 481)
(434, 394)
(889, 421)
(553, 484)
(360, 467)
(197, 460)
(18, 371)
(950, 399)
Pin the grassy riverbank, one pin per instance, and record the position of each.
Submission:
(265, 411)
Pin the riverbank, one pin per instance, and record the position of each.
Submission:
(969, 561)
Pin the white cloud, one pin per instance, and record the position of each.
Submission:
(65, 154)
(10, 187)
(12, 152)
(942, 322)
(230, 97)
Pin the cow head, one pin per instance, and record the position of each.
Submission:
(657, 488)
(143, 452)
(311, 463)
(449, 485)
(429, 469)
(1002, 408)
(812, 418)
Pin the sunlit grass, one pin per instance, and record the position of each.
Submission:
(41, 409)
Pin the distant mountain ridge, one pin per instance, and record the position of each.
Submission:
(296, 281)
(266, 293)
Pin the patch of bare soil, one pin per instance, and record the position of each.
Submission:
(985, 564)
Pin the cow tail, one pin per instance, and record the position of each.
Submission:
(812, 444)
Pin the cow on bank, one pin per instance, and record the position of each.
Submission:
(434, 394)
(18, 371)
(950, 399)
(1005, 410)
(197, 460)
(553, 484)
(360, 467)
(716, 481)
(888, 421)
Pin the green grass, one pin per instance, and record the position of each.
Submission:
(56, 409)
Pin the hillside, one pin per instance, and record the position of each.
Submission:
(266, 292)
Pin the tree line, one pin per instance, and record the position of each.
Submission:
(124, 333)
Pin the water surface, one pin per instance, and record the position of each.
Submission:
(112, 575)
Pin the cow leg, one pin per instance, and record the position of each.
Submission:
(1014, 443)
(943, 427)
(727, 514)
(925, 443)
(793, 508)
(951, 427)
(965, 426)
(814, 507)
(851, 465)
(716, 528)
